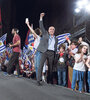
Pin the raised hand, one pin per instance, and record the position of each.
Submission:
(42, 15)
(27, 21)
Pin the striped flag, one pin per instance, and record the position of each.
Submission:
(62, 38)
(2, 47)
(30, 39)
(24, 50)
(3, 38)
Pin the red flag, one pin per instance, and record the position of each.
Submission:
(26, 40)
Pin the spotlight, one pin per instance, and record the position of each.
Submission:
(82, 3)
(77, 10)
(88, 8)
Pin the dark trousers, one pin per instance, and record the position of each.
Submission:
(49, 55)
(14, 61)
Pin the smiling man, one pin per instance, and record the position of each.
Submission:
(47, 47)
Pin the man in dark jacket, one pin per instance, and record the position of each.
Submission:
(47, 47)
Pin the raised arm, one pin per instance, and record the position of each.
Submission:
(27, 23)
(68, 40)
(41, 23)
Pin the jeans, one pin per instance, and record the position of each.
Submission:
(88, 80)
(61, 77)
(37, 61)
(77, 76)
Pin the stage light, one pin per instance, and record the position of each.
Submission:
(82, 3)
(88, 8)
(77, 10)
(79, 4)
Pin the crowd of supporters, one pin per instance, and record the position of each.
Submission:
(66, 65)
(71, 66)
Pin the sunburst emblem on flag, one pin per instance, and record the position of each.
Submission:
(0, 43)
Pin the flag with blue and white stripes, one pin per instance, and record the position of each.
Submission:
(2, 47)
(3, 38)
(61, 38)
(30, 38)
(24, 50)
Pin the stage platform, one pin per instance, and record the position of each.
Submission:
(13, 88)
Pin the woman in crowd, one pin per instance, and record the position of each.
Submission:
(37, 55)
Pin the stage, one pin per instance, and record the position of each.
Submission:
(13, 88)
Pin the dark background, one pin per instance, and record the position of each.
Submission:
(58, 13)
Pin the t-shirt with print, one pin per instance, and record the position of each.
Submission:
(62, 61)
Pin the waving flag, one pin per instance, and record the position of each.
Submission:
(61, 38)
(2, 47)
(29, 37)
(24, 50)
(3, 38)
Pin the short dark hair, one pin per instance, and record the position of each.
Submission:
(16, 30)
(38, 31)
(75, 42)
(62, 46)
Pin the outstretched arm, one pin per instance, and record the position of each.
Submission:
(68, 40)
(41, 23)
(35, 35)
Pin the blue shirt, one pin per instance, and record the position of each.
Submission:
(51, 43)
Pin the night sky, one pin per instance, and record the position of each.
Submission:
(57, 13)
